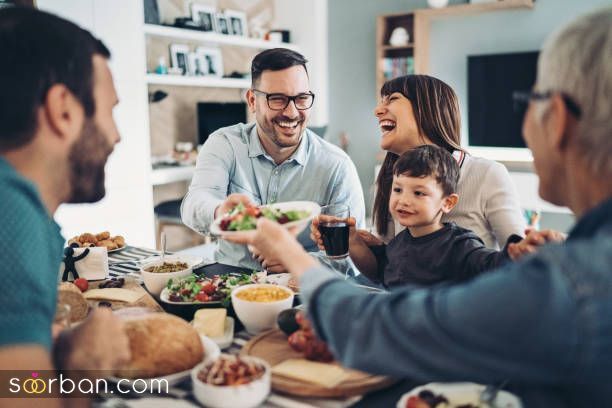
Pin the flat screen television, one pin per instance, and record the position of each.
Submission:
(215, 115)
(492, 119)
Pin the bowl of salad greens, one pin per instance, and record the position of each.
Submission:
(289, 214)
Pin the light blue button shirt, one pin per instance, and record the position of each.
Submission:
(233, 161)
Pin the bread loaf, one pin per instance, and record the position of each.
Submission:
(161, 344)
(69, 294)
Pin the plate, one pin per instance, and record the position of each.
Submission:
(228, 334)
(462, 393)
(313, 208)
(212, 353)
(117, 249)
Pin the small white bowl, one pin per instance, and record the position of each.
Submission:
(156, 282)
(259, 316)
(228, 396)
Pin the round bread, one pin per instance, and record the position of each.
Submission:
(69, 294)
(161, 344)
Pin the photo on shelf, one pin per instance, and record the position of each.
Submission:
(179, 55)
(213, 59)
(204, 16)
(221, 24)
(198, 65)
(237, 22)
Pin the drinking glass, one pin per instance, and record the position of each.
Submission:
(335, 230)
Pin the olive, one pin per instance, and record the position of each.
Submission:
(286, 321)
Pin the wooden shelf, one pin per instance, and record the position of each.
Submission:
(208, 82)
(213, 38)
(467, 9)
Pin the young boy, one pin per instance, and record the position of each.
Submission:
(427, 251)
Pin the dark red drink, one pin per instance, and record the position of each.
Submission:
(335, 238)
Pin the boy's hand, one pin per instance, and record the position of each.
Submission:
(315, 234)
(532, 241)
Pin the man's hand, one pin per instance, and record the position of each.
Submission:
(99, 343)
(230, 202)
(272, 241)
(532, 241)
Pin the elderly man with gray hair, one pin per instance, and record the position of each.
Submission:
(543, 324)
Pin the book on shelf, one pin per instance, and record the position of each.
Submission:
(395, 67)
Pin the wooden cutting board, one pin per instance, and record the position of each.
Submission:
(146, 300)
(272, 347)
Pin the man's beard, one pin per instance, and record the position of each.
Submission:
(86, 161)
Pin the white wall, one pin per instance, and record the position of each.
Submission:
(127, 208)
(307, 21)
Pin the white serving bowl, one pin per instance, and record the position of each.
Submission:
(156, 282)
(260, 316)
(232, 396)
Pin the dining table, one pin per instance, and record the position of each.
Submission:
(127, 263)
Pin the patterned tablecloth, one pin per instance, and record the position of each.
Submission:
(180, 395)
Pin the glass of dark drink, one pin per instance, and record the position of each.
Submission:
(335, 230)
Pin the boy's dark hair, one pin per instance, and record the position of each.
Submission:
(430, 160)
(275, 59)
(38, 51)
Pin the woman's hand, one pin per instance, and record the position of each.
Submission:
(368, 238)
(532, 241)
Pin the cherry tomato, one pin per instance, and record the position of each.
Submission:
(82, 284)
(202, 297)
(209, 288)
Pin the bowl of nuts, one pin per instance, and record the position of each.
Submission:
(231, 382)
(157, 273)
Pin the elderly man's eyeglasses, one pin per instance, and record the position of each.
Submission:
(521, 99)
(279, 102)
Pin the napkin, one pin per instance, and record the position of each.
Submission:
(93, 267)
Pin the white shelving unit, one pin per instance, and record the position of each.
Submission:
(171, 174)
(213, 38)
(213, 82)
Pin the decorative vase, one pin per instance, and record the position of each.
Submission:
(437, 3)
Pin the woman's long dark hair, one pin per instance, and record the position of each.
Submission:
(436, 111)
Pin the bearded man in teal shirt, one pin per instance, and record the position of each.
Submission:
(56, 133)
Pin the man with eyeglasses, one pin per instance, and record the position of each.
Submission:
(543, 325)
(275, 159)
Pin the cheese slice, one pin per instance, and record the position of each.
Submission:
(323, 374)
(210, 322)
(122, 295)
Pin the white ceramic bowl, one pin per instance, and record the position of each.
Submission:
(239, 396)
(260, 316)
(155, 282)
(462, 394)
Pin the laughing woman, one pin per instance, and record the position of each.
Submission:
(418, 109)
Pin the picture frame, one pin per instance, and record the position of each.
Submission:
(222, 24)
(204, 16)
(198, 64)
(213, 60)
(237, 23)
(179, 56)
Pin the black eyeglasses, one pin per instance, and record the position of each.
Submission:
(522, 98)
(279, 102)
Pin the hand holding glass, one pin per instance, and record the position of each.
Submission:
(335, 230)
